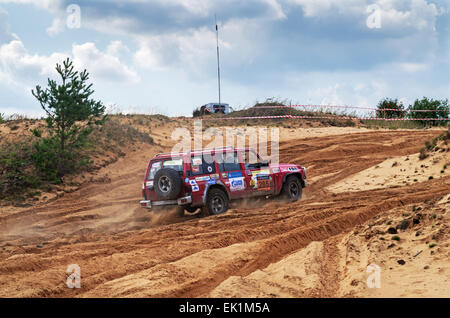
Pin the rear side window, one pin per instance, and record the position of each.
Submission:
(202, 164)
(176, 164)
(228, 161)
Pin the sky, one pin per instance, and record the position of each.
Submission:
(159, 56)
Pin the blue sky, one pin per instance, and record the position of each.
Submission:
(148, 56)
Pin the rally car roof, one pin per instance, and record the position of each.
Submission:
(198, 152)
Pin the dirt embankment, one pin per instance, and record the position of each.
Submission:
(259, 249)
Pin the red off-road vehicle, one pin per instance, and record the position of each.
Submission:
(210, 178)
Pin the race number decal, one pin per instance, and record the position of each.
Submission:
(263, 183)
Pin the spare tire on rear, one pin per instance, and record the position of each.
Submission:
(167, 184)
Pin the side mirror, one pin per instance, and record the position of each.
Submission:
(265, 163)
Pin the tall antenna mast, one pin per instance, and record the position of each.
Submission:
(218, 56)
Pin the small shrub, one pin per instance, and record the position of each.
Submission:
(196, 112)
(396, 238)
(423, 154)
(439, 109)
(16, 173)
(387, 103)
(36, 132)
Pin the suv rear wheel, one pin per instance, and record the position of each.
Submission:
(167, 184)
(216, 202)
(292, 189)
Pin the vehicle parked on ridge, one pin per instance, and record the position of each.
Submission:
(215, 108)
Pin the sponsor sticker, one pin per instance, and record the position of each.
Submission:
(264, 184)
(275, 170)
(212, 181)
(149, 183)
(260, 172)
(210, 169)
(196, 161)
(235, 174)
(237, 184)
(290, 169)
(195, 169)
(194, 185)
(204, 178)
(156, 164)
(224, 175)
(215, 176)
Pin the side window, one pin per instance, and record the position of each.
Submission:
(176, 164)
(228, 161)
(202, 165)
(153, 169)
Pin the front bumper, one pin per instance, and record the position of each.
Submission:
(181, 201)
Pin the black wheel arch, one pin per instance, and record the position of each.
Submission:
(216, 186)
(298, 175)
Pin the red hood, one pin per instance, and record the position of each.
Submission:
(283, 165)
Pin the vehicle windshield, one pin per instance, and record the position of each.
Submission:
(176, 164)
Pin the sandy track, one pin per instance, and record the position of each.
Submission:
(126, 251)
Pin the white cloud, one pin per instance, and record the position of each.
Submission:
(102, 65)
(117, 48)
(57, 26)
(5, 34)
(316, 8)
(199, 7)
(19, 67)
(417, 14)
(277, 9)
(190, 49)
(330, 95)
(413, 67)
(45, 4)
(17, 62)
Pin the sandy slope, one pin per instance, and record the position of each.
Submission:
(124, 251)
(396, 171)
(338, 266)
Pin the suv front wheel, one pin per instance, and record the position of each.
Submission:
(216, 202)
(292, 189)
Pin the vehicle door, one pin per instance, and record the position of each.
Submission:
(202, 172)
(231, 174)
(257, 172)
